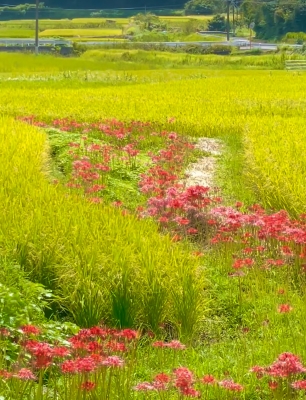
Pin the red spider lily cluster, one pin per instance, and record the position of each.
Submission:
(85, 363)
(283, 371)
(110, 127)
(186, 384)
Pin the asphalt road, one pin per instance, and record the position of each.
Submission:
(44, 42)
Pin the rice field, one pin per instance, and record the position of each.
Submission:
(80, 33)
(119, 280)
(82, 27)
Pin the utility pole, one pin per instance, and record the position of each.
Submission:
(233, 5)
(36, 28)
(228, 21)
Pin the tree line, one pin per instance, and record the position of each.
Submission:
(272, 18)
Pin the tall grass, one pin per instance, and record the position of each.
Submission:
(99, 262)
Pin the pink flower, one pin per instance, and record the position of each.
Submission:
(300, 385)
(183, 378)
(26, 375)
(144, 387)
(159, 344)
(175, 344)
(190, 392)
(229, 384)
(113, 361)
(286, 364)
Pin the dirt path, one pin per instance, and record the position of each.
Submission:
(203, 171)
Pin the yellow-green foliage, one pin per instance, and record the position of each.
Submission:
(100, 263)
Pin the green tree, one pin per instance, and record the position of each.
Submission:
(203, 7)
(217, 23)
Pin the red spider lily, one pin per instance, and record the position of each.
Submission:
(116, 346)
(69, 367)
(176, 345)
(128, 334)
(299, 385)
(159, 344)
(273, 385)
(183, 378)
(208, 380)
(259, 371)
(94, 347)
(162, 377)
(42, 352)
(88, 386)
(30, 330)
(113, 361)
(25, 375)
(95, 188)
(229, 384)
(190, 392)
(192, 231)
(6, 374)
(144, 387)
(287, 364)
(240, 263)
(60, 352)
(284, 308)
(85, 364)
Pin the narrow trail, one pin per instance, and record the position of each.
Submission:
(203, 171)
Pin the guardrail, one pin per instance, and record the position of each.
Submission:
(295, 65)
